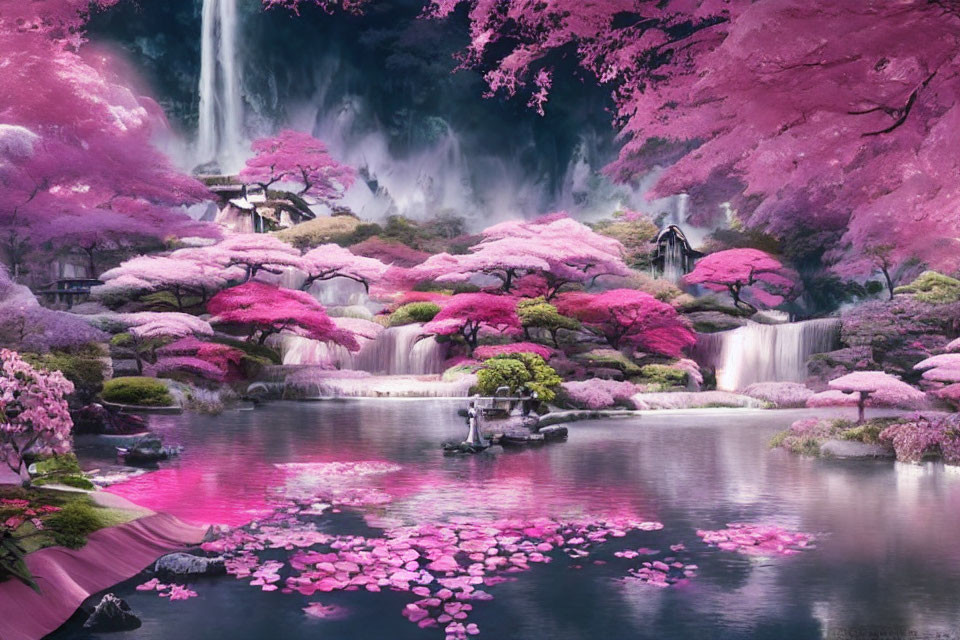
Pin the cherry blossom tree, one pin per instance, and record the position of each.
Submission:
(734, 270)
(34, 417)
(882, 387)
(253, 252)
(330, 261)
(466, 314)
(294, 157)
(556, 248)
(268, 310)
(211, 360)
(141, 334)
(178, 274)
(81, 174)
(630, 318)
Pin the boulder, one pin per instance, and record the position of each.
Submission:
(553, 433)
(714, 321)
(97, 419)
(112, 614)
(186, 564)
(854, 449)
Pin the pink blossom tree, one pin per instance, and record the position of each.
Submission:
(880, 386)
(630, 318)
(556, 248)
(216, 362)
(941, 368)
(294, 157)
(268, 310)
(466, 314)
(734, 270)
(34, 418)
(252, 252)
(330, 261)
(141, 334)
(177, 274)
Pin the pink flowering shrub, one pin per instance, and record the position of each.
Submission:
(33, 411)
(489, 351)
(599, 394)
(780, 394)
(923, 437)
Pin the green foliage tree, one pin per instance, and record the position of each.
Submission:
(519, 372)
(537, 313)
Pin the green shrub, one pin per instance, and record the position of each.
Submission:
(322, 230)
(78, 482)
(414, 312)
(73, 523)
(519, 372)
(148, 392)
(663, 376)
(609, 359)
(933, 287)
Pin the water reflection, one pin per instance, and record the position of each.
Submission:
(887, 559)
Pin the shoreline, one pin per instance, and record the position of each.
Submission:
(67, 577)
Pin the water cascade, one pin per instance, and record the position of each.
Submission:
(765, 352)
(220, 134)
(396, 351)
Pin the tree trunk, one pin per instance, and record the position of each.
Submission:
(861, 405)
(886, 276)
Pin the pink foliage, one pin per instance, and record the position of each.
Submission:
(178, 274)
(467, 313)
(734, 270)
(149, 324)
(942, 368)
(34, 418)
(599, 394)
(489, 351)
(882, 388)
(391, 253)
(297, 157)
(916, 439)
(209, 359)
(626, 317)
(268, 310)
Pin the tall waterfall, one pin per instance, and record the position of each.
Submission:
(765, 352)
(220, 135)
(396, 351)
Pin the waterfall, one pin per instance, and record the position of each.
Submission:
(765, 352)
(673, 261)
(220, 134)
(396, 351)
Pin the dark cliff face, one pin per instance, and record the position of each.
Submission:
(386, 82)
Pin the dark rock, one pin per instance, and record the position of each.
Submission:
(186, 564)
(112, 614)
(146, 450)
(97, 419)
(554, 433)
(454, 447)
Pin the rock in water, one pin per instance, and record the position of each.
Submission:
(185, 564)
(112, 614)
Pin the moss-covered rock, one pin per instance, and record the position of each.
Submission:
(933, 287)
(146, 392)
(661, 377)
(608, 359)
(414, 312)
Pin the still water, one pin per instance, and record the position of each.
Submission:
(886, 562)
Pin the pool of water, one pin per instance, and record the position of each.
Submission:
(885, 564)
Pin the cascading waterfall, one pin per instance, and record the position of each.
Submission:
(396, 351)
(673, 261)
(765, 352)
(220, 134)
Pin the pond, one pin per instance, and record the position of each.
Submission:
(885, 558)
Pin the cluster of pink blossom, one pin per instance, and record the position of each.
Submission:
(598, 393)
(467, 314)
(218, 362)
(172, 591)
(922, 437)
(757, 539)
(860, 387)
(741, 272)
(34, 417)
(489, 351)
(941, 368)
